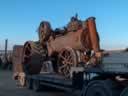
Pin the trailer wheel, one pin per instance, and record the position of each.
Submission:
(124, 92)
(29, 83)
(97, 88)
(36, 85)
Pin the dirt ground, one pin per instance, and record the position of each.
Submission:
(8, 87)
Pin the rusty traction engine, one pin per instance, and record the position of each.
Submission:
(77, 44)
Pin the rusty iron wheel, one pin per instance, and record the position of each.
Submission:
(31, 58)
(44, 31)
(67, 58)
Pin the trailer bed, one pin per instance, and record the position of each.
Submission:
(52, 80)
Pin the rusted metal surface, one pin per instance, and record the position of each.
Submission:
(93, 34)
(80, 36)
(72, 39)
(77, 39)
(17, 59)
(44, 31)
(67, 47)
(32, 58)
(67, 58)
(83, 38)
(18, 71)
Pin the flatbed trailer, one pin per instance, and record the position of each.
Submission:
(45, 80)
(92, 81)
(108, 78)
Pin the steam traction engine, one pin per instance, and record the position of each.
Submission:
(77, 44)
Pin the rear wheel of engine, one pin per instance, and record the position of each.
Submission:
(33, 57)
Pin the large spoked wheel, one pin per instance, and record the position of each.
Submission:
(67, 58)
(44, 31)
(97, 88)
(31, 58)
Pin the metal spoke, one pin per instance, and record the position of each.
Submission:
(26, 56)
(63, 66)
(63, 57)
(69, 57)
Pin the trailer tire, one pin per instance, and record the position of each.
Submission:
(97, 88)
(36, 85)
(124, 92)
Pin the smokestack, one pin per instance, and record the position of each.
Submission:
(93, 34)
(6, 48)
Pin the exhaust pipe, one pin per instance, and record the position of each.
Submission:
(93, 34)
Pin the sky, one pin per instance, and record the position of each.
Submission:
(19, 19)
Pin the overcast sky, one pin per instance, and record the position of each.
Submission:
(19, 19)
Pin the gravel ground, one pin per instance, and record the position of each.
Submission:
(8, 87)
